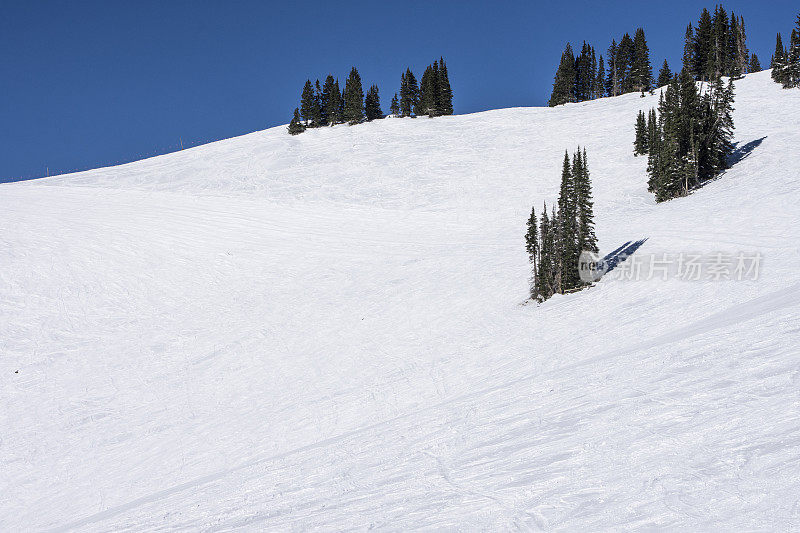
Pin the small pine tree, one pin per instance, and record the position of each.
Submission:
(445, 91)
(564, 81)
(664, 75)
(532, 247)
(409, 92)
(353, 98)
(587, 240)
(296, 125)
(601, 78)
(394, 109)
(778, 62)
(307, 99)
(640, 142)
(641, 69)
(372, 104)
(791, 75)
(755, 64)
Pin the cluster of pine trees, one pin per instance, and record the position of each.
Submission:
(717, 46)
(554, 243)
(786, 63)
(689, 140)
(326, 105)
(432, 96)
(586, 77)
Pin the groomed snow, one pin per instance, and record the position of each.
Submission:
(326, 332)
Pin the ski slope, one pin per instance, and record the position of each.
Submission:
(327, 332)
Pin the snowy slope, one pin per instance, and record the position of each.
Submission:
(325, 331)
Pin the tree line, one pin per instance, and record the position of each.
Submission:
(554, 243)
(786, 63)
(327, 105)
(587, 76)
(717, 46)
(689, 140)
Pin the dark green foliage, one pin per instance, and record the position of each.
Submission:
(755, 64)
(791, 74)
(532, 247)
(307, 102)
(641, 71)
(779, 60)
(394, 109)
(316, 106)
(372, 104)
(353, 98)
(554, 250)
(295, 125)
(717, 46)
(664, 75)
(429, 99)
(409, 93)
(564, 83)
(445, 91)
(640, 142)
(691, 140)
(600, 81)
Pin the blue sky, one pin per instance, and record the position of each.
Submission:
(88, 84)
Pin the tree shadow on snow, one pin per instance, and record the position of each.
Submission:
(611, 260)
(743, 152)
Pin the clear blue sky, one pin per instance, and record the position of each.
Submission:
(87, 84)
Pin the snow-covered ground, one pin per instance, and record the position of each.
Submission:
(327, 332)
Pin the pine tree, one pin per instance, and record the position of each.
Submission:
(738, 55)
(353, 98)
(327, 107)
(445, 91)
(640, 142)
(755, 64)
(600, 82)
(568, 278)
(564, 82)
(428, 92)
(395, 107)
(295, 125)
(689, 48)
(703, 47)
(625, 58)
(372, 104)
(791, 76)
(664, 75)
(641, 69)
(779, 60)
(532, 247)
(613, 86)
(587, 240)
(409, 92)
(307, 102)
(721, 29)
(316, 106)
(546, 272)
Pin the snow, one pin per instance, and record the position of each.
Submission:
(327, 332)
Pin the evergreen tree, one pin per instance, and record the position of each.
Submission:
(568, 278)
(353, 98)
(719, 45)
(564, 82)
(532, 247)
(328, 103)
(703, 47)
(600, 82)
(395, 107)
(739, 56)
(295, 125)
(307, 102)
(445, 91)
(316, 108)
(755, 64)
(689, 48)
(664, 75)
(625, 59)
(429, 92)
(372, 104)
(779, 60)
(791, 75)
(641, 69)
(613, 86)
(409, 92)
(640, 142)
(546, 268)
(587, 240)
